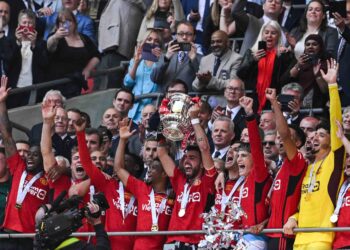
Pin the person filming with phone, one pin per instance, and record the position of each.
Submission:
(140, 68)
(29, 59)
(306, 72)
(72, 54)
(264, 64)
(181, 60)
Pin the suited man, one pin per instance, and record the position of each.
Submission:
(118, 29)
(85, 23)
(176, 64)
(250, 25)
(290, 16)
(217, 68)
(234, 90)
(222, 135)
(343, 55)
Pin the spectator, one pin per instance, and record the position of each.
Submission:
(306, 72)
(61, 141)
(29, 61)
(284, 194)
(262, 68)
(161, 15)
(341, 211)
(83, 24)
(308, 124)
(22, 203)
(176, 63)
(110, 120)
(222, 135)
(197, 12)
(343, 55)
(56, 99)
(73, 115)
(293, 114)
(49, 6)
(153, 200)
(5, 184)
(212, 21)
(267, 121)
(329, 152)
(176, 86)
(22, 147)
(346, 121)
(72, 54)
(290, 16)
(269, 145)
(118, 28)
(314, 21)
(247, 24)
(140, 68)
(197, 179)
(244, 138)
(5, 29)
(204, 119)
(234, 90)
(257, 182)
(217, 68)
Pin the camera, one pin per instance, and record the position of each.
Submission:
(65, 218)
(26, 29)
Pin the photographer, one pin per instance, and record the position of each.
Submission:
(93, 217)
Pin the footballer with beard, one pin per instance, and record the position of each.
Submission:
(29, 188)
(323, 176)
(192, 186)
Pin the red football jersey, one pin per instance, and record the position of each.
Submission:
(286, 193)
(192, 220)
(342, 239)
(114, 218)
(23, 219)
(257, 183)
(144, 220)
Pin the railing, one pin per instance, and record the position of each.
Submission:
(189, 232)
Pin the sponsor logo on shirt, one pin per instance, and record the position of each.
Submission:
(194, 197)
(304, 187)
(117, 205)
(147, 207)
(346, 201)
(277, 185)
(245, 192)
(36, 192)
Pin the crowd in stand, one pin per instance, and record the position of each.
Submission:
(283, 168)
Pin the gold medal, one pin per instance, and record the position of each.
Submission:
(307, 196)
(182, 212)
(18, 206)
(154, 227)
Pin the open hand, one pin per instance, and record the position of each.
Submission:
(3, 89)
(48, 111)
(332, 70)
(124, 129)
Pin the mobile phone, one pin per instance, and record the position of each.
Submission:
(26, 29)
(195, 10)
(261, 45)
(66, 25)
(183, 46)
(147, 52)
(338, 6)
(312, 59)
(284, 100)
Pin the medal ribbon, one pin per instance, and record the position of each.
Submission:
(22, 192)
(122, 201)
(156, 212)
(312, 177)
(225, 199)
(344, 188)
(92, 192)
(185, 196)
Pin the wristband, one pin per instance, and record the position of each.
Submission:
(195, 121)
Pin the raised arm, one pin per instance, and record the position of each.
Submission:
(48, 114)
(201, 137)
(334, 99)
(282, 126)
(342, 137)
(119, 162)
(5, 125)
(164, 157)
(260, 169)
